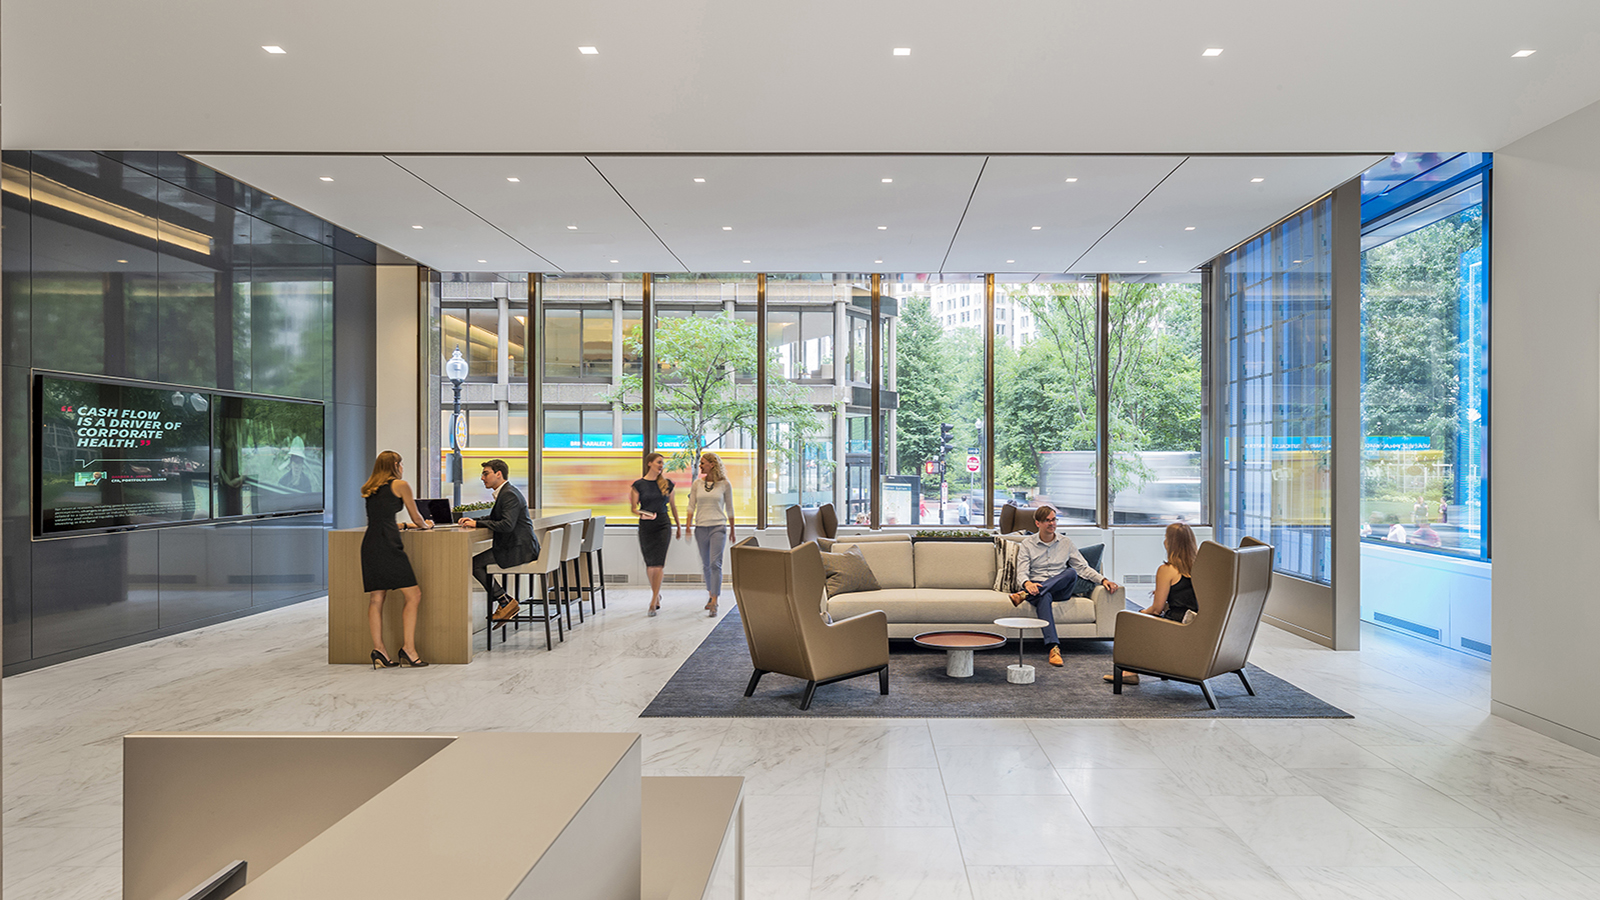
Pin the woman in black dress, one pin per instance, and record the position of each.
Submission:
(650, 498)
(384, 566)
(1174, 595)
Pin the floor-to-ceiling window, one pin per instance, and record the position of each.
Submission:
(1276, 309)
(1046, 403)
(1424, 385)
(486, 318)
(1154, 389)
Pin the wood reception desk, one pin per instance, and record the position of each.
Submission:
(442, 559)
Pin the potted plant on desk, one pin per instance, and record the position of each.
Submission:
(466, 509)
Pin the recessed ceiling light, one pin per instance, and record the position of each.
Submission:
(1037, 227)
(1297, 262)
(614, 261)
(878, 261)
(1071, 180)
(417, 227)
(1143, 261)
(699, 181)
(512, 179)
(326, 178)
(747, 262)
(888, 181)
(588, 51)
(1188, 228)
(883, 228)
(273, 49)
(572, 228)
(122, 261)
(727, 228)
(1257, 180)
(1010, 260)
(1212, 51)
(902, 51)
(1523, 54)
(483, 260)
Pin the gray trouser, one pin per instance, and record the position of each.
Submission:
(711, 538)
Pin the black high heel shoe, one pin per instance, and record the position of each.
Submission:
(378, 659)
(405, 660)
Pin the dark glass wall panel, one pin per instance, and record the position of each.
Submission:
(16, 524)
(93, 590)
(352, 439)
(290, 294)
(16, 272)
(205, 571)
(288, 559)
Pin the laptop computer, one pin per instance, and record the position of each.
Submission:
(437, 510)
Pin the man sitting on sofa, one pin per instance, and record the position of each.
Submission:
(1047, 568)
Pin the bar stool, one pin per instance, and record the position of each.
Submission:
(594, 541)
(573, 548)
(552, 549)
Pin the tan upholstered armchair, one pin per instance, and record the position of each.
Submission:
(1230, 587)
(811, 524)
(1016, 518)
(779, 593)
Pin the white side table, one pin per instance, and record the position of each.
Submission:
(1019, 673)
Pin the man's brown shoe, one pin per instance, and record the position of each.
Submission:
(1018, 597)
(1055, 657)
(1127, 678)
(508, 608)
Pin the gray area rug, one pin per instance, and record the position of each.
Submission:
(711, 683)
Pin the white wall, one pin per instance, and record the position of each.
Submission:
(1448, 595)
(1545, 427)
(397, 367)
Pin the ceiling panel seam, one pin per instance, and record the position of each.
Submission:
(957, 232)
(635, 212)
(1125, 215)
(474, 213)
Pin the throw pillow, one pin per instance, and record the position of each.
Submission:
(1005, 565)
(848, 572)
(1091, 555)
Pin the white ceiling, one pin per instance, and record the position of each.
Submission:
(1125, 214)
(706, 76)
(416, 107)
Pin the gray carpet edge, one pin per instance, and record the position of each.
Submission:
(710, 684)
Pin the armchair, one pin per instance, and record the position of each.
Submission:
(1231, 588)
(811, 524)
(1016, 518)
(779, 594)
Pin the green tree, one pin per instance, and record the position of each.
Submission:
(696, 361)
(920, 376)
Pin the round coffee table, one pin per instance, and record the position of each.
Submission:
(1019, 673)
(958, 647)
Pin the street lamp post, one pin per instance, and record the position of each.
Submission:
(456, 370)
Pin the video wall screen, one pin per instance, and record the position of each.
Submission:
(111, 455)
(267, 457)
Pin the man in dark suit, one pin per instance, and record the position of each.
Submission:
(514, 543)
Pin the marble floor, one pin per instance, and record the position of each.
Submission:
(1422, 795)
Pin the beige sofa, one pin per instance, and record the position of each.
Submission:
(945, 585)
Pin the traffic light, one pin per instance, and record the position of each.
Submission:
(946, 438)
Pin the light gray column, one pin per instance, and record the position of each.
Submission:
(1345, 480)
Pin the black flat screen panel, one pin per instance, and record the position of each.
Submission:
(269, 456)
(113, 455)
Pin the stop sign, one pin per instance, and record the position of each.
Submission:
(972, 462)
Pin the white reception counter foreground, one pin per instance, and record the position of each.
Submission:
(486, 816)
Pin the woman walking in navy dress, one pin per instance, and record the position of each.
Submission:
(384, 566)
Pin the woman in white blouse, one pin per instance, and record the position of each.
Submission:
(711, 520)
